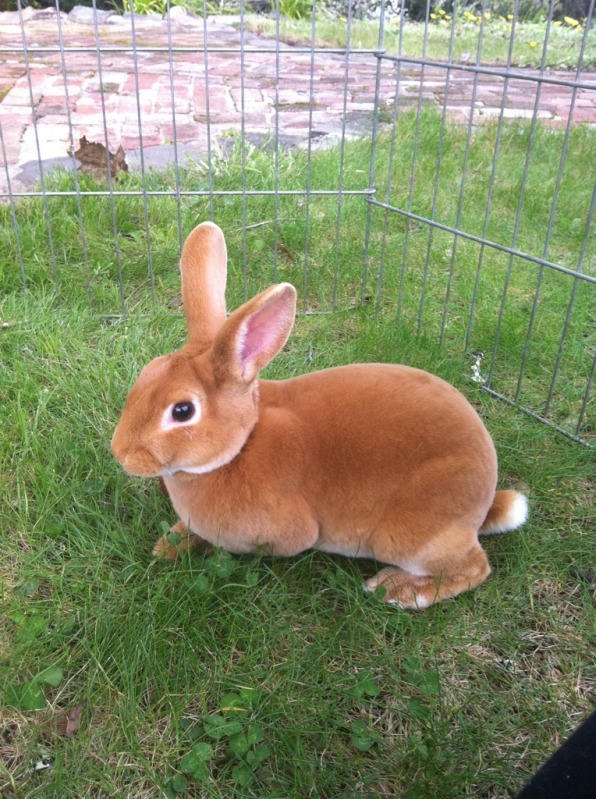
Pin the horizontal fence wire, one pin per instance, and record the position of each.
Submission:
(325, 51)
(533, 259)
(412, 248)
(493, 72)
(114, 192)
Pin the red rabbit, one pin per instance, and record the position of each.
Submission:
(370, 460)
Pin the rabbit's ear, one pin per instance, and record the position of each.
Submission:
(203, 266)
(255, 333)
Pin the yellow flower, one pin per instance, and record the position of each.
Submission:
(487, 15)
(509, 16)
(448, 16)
(571, 21)
(433, 16)
(502, 19)
(532, 44)
(441, 12)
(557, 24)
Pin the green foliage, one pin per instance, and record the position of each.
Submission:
(295, 9)
(435, 41)
(160, 6)
(29, 696)
(237, 739)
(148, 6)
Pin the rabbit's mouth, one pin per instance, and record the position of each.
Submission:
(203, 468)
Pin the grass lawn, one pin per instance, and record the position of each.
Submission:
(222, 676)
(562, 49)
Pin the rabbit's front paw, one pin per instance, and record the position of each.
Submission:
(178, 540)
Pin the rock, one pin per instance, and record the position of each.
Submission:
(140, 20)
(89, 16)
(29, 174)
(13, 17)
(181, 14)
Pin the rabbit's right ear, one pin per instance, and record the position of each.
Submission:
(203, 266)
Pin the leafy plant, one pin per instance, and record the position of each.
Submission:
(295, 9)
(238, 738)
(29, 696)
(363, 737)
(148, 6)
(157, 6)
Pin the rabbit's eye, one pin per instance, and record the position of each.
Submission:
(183, 411)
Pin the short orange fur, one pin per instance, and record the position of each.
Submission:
(371, 460)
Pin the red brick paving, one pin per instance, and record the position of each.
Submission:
(121, 102)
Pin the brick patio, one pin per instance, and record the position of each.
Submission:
(122, 96)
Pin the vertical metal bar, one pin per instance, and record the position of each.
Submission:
(243, 153)
(309, 150)
(108, 166)
(551, 219)
(74, 161)
(276, 152)
(394, 121)
(42, 180)
(375, 127)
(431, 232)
(414, 161)
(570, 304)
(207, 111)
(173, 103)
(586, 398)
(135, 61)
(520, 203)
(464, 177)
(491, 187)
(15, 221)
(342, 157)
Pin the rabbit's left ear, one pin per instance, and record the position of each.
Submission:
(254, 334)
(203, 266)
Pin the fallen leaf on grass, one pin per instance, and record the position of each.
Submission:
(68, 723)
(94, 159)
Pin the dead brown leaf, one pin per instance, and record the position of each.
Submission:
(94, 159)
(68, 723)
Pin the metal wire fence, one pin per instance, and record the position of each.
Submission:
(170, 90)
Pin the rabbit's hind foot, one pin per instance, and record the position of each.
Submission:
(411, 591)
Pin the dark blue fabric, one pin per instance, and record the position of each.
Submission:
(571, 772)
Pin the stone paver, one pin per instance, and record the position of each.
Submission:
(43, 105)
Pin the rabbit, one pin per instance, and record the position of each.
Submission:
(377, 461)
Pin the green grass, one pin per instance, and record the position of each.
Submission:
(298, 683)
(562, 51)
(463, 700)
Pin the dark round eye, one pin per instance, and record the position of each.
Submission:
(183, 411)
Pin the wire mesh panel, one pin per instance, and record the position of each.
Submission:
(388, 164)
(486, 258)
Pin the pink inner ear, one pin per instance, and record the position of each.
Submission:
(265, 333)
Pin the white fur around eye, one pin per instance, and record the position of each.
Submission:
(168, 423)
